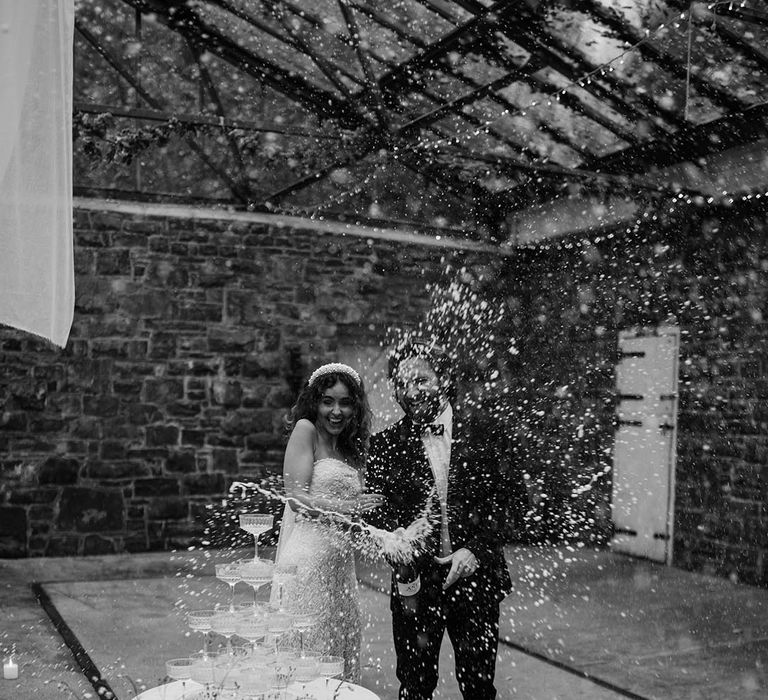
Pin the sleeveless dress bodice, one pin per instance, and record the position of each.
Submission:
(326, 580)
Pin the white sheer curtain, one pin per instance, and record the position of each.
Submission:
(37, 284)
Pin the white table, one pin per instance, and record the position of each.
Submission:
(186, 690)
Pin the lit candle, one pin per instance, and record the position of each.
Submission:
(10, 669)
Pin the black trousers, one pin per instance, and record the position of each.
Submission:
(469, 614)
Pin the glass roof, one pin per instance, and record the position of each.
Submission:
(427, 110)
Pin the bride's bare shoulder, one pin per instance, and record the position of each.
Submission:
(304, 425)
(304, 434)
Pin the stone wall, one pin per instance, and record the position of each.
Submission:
(190, 340)
(191, 337)
(705, 271)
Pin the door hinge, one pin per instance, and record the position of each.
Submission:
(624, 531)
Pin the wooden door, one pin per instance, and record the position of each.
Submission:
(644, 450)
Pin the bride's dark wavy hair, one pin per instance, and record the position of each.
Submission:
(353, 440)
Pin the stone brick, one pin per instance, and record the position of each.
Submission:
(280, 397)
(16, 421)
(145, 303)
(116, 470)
(196, 389)
(96, 545)
(183, 409)
(162, 390)
(192, 437)
(82, 509)
(182, 536)
(184, 462)
(141, 413)
(244, 421)
(227, 392)
(224, 339)
(202, 484)
(162, 345)
(27, 496)
(45, 424)
(136, 542)
(166, 273)
(259, 441)
(62, 546)
(224, 460)
(255, 394)
(13, 531)
(113, 261)
(94, 295)
(112, 449)
(168, 509)
(159, 486)
(41, 512)
(159, 244)
(244, 308)
(194, 366)
(101, 405)
(202, 312)
(161, 435)
(57, 470)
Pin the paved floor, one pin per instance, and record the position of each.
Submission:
(580, 625)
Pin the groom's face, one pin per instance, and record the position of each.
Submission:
(418, 390)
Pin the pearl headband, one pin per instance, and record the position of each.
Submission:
(331, 368)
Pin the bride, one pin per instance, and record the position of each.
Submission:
(322, 472)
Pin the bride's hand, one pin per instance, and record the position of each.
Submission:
(366, 502)
(369, 501)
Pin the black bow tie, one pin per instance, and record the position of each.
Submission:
(434, 428)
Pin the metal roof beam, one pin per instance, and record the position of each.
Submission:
(730, 9)
(239, 190)
(213, 93)
(264, 27)
(178, 16)
(693, 143)
(447, 16)
(528, 31)
(632, 36)
(376, 101)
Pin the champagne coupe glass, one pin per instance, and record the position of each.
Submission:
(306, 668)
(200, 621)
(204, 667)
(255, 524)
(283, 667)
(303, 621)
(179, 669)
(229, 573)
(256, 573)
(223, 623)
(329, 666)
(252, 628)
(278, 623)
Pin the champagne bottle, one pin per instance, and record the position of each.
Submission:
(408, 580)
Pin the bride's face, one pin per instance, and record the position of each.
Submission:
(335, 409)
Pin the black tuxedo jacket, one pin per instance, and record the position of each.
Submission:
(398, 468)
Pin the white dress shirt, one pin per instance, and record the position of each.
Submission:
(438, 449)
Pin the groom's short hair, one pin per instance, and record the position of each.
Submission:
(435, 354)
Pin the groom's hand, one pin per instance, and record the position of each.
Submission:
(463, 563)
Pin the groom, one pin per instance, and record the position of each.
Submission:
(462, 575)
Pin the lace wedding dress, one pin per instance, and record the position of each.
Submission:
(326, 580)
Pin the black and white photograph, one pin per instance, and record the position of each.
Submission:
(384, 350)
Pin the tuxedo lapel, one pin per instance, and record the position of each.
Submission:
(413, 447)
